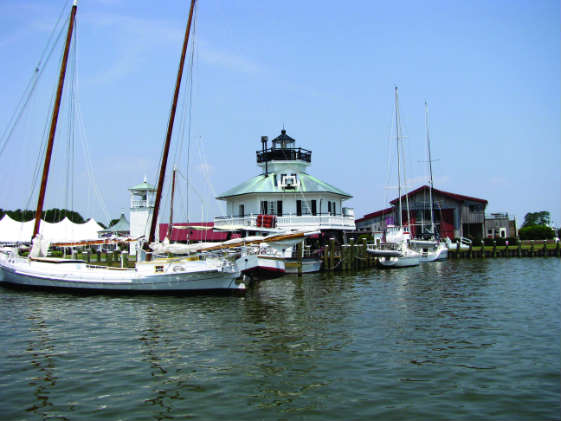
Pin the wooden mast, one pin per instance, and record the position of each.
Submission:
(54, 120)
(170, 130)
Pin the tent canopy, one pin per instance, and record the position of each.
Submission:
(12, 231)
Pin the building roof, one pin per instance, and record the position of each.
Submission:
(122, 225)
(262, 184)
(374, 214)
(194, 232)
(144, 186)
(454, 196)
(283, 139)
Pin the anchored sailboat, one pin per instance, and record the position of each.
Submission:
(154, 275)
(395, 251)
(430, 247)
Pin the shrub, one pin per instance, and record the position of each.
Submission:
(536, 232)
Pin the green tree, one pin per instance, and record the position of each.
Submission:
(50, 215)
(537, 218)
(536, 232)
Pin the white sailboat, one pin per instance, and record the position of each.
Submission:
(430, 247)
(257, 256)
(153, 275)
(395, 251)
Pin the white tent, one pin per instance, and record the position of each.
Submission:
(64, 231)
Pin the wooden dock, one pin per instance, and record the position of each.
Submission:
(353, 256)
(522, 249)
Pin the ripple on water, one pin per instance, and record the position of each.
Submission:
(456, 339)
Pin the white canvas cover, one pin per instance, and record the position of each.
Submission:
(64, 231)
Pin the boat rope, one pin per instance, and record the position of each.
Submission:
(27, 94)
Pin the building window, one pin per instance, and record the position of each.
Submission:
(242, 210)
(298, 208)
(279, 207)
(263, 208)
(314, 207)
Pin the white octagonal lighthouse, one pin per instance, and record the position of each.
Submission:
(284, 196)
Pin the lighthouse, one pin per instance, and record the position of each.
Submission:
(141, 209)
(285, 195)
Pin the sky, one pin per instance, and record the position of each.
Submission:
(323, 70)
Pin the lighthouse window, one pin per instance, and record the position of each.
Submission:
(272, 208)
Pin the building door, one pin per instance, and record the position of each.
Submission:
(314, 207)
(279, 207)
(242, 210)
(299, 208)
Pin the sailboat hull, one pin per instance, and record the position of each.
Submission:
(399, 261)
(258, 267)
(153, 277)
(430, 251)
(309, 265)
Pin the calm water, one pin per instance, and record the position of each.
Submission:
(458, 339)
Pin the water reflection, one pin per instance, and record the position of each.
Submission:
(440, 341)
(40, 349)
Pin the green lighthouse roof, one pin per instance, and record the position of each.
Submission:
(271, 184)
(144, 186)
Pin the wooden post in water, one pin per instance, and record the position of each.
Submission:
(470, 251)
(363, 254)
(326, 257)
(300, 252)
(332, 254)
(353, 253)
(494, 252)
(458, 249)
(483, 249)
(345, 257)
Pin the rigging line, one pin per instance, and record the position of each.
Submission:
(42, 148)
(27, 94)
(87, 156)
(71, 113)
(206, 174)
(190, 101)
(186, 87)
(193, 186)
(390, 155)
